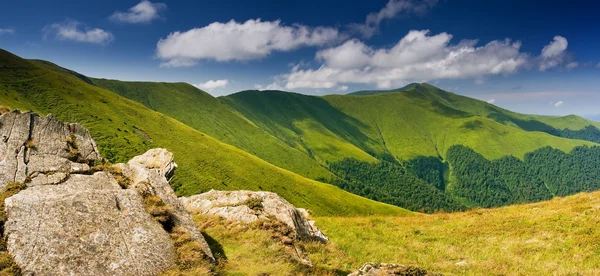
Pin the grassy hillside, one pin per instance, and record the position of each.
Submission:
(124, 128)
(418, 122)
(305, 122)
(557, 237)
(209, 115)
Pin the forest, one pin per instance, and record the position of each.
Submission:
(466, 179)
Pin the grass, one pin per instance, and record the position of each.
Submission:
(421, 121)
(204, 162)
(209, 115)
(557, 237)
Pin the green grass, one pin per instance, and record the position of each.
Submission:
(124, 128)
(417, 122)
(557, 237)
(209, 115)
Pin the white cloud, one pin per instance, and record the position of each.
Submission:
(553, 54)
(272, 86)
(558, 104)
(491, 101)
(391, 10)
(252, 39)
(4, 31)
(212, 84)
(479, 81)
(69, 30)
(416, 57)
(556, 47)
(572, 65)
(143, 12)
(342, 88)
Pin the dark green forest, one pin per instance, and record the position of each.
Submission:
(420, 184)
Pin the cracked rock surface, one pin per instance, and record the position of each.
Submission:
(248, 207)
(73, 221)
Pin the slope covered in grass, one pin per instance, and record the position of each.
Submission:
(558, 237)
(124, 128)
(416, 122)
(209, 115)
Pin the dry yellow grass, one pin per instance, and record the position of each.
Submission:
(557, 237)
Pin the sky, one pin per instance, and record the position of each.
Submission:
(529, 56)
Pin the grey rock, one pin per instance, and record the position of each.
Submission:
(32, 146)
(149, 175)
(237, 206)
(86, 226)
(384, 269)
(71, 221)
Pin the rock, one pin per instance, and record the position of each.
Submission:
(72, 221)
(32, 146)
(148, 174)
(462, 263)
(86, 226)
(248, 207)
(383, 269)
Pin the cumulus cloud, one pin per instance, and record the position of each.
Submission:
(212, 84)
(391, 10)
(491, 101)
(558, 104)
(70, 30)
(272, 86)
(233, 40)
(143, 12)
(554, 54)
(4, 31)
(418, 56)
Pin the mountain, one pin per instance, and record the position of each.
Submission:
(374, 92)
(209, 115)
(124, 128)
(418, 147)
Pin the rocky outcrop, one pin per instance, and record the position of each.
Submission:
(148, 174)
(85, 226)
(248, 207)
(74, 220)
(383, 269)
(42, 150)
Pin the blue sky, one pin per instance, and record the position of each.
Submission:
(529, 56)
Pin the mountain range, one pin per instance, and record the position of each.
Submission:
(369, 152)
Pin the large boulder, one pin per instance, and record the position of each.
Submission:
(248, 207)
(86, 226)
(32, 146)
(72, 219)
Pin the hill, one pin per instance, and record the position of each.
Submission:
(374, 92)
(209, 115)
(124, 128)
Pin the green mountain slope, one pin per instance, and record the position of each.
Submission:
(416, 122)
(209, 115)
(124, 128)
(374, 92)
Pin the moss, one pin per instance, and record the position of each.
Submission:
(30, 144)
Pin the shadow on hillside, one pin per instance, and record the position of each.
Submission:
(279, 110)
